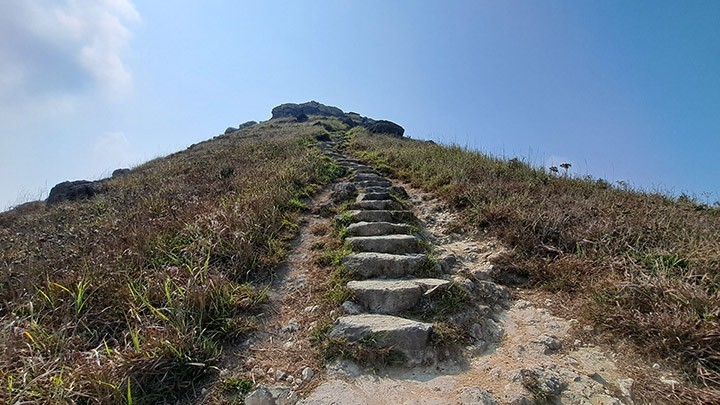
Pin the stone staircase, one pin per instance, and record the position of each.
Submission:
(389, 259)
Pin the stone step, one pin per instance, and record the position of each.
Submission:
(368, 196)
(377, 189)
(391, 296)
(335, 155)
(367, 177)
(377, 229)
(373, 183)
(369, 264)
(376, 205)
(405, 335)
(381, 216)
(346, 161)
(359, 169)
(396, 244)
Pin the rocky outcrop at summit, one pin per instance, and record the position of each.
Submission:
(309, 108)
(301, 111)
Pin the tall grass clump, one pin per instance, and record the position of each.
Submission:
(128, 296)
(644, 266)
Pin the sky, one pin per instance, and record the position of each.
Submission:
(628, 91)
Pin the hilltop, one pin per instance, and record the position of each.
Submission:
(230, 269)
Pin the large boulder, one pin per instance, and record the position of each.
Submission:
(74, 190)
(386, 127)
(309, 108)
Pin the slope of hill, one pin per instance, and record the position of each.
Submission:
(129, 296)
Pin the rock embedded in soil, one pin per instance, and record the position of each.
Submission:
(405, 335)
(386, 296)
(376, 205)
(368, 264)
(396, 244)
(390, 296)
(368, 177)
(377, 229)
(373, 183)
(381, 216)
(374, 196)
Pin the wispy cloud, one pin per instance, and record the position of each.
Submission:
(55, 50)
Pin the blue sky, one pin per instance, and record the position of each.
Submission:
(624, 90)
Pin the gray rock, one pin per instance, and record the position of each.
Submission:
(74, 190)
(381, 216)
(374, 196)
(396, 244)
(230, 130)
(386, 127)
(521, 399)
(362, 169)
(493, 294)
(399, 192)
(487, 332)
(309, 108)
(352, 308)
(431, 285)
(367, 177)
(343, 192)
(376, 205)
(549, 342)
(369, 264)
(373, 183)
(120, 172)
(307, 374)
(283, 395)
(377, 189)
(260, 396)
(247, 124)
(407, 336)
(386, 296)
(377, 228)
(476, 396)
(542, 379)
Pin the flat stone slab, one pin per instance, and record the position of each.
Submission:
(361, 169)
(368, 196)
(373, 183)
(378, 189)
(396, 244)
(365, 177)
(408, 336)
(381, 216)
(391, 296)
(386, 296)
(375, 205)
(377, 228)
(369, 264)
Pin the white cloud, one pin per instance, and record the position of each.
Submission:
(58, 49)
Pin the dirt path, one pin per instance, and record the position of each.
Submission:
(536, 351)
(529, 356)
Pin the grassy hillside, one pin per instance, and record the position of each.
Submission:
(129, 296)
(642, 266)
(126, 297)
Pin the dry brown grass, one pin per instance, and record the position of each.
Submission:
(127, 297)
(643, 266)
